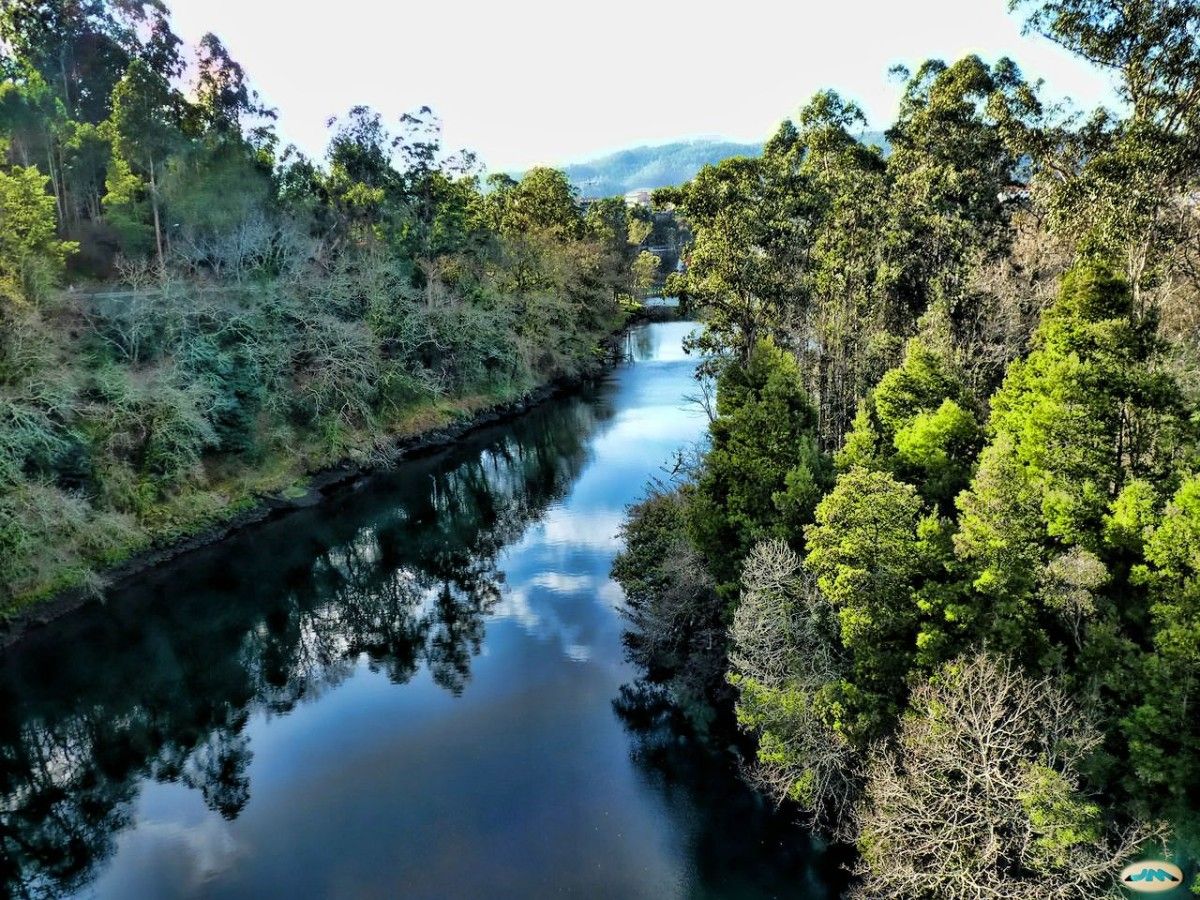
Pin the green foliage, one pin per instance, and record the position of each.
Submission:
(257, 315)
(837, 250)
(1027, 515)
(542, 203)
(31, 255)
(942, 446)
(87, 156)
(645, 272)
(215, 192)
(223, 95)
(763, 473)
(1082, 417)
(263, 314)
(608, 221)
(913, 424)
(126, 207)
(920, 384)
(1062, 820)
(231, 376)
(1087, 409)
(1122, 202)
(868, 557)
(1163, 734)
(750, 219)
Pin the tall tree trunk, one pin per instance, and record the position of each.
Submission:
(158, 236)
(62, 67)
(56, 183)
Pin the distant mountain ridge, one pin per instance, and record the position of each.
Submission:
(662, 165)
(651, 166)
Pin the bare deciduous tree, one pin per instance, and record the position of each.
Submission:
(782, 653)
(980, 796)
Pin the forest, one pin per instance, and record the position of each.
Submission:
(940, 554)
(193, 317)
(938, 560)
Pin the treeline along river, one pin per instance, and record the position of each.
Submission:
(405, 691)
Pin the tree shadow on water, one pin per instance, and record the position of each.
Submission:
(162, 682)
(736, 842)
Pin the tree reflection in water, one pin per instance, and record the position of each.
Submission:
(700, 781)
(161, 682)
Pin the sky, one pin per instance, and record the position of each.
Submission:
(526, 82)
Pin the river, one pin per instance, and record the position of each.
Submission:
(406, 691)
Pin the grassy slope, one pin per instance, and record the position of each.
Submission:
(230, 487)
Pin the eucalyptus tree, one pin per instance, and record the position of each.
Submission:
(845, 340)
(753, 220)
(31, 116)
(1119, 184)
(146, 128)
(361, 181)
(955, 151)
(439, 188)
(224, 99)
(84, 48)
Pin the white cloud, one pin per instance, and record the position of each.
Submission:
(514, 604)
(562, 583)
(197, 851)
(593, 531)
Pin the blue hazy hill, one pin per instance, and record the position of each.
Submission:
(651, 167)
(661, 165)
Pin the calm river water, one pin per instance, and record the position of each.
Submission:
(407, 691)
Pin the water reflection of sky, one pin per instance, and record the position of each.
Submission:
(423, 707)
(557, 582)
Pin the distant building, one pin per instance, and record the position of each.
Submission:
(640, 197)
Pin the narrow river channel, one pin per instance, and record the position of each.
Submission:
(407, 691)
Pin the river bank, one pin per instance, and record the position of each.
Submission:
(438, 429)
(268, 506)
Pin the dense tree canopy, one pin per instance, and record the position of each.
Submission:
(763, 474)
(995, 322)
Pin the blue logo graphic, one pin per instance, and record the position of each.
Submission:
(1147, 875)
(1152, 876)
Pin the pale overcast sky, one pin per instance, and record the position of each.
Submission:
(552, 81)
